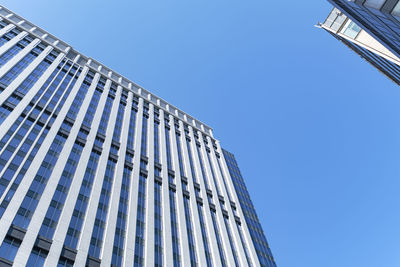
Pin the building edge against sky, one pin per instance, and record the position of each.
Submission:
(97, 171)
(371, 28)
(348, 32)
(379, 18)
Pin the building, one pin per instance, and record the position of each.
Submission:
(379, 18)
(360, 41)
(97, 171)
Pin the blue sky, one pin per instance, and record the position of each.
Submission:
(315, 129)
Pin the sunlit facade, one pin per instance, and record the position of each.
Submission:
(371, 29)
(97, 171)
(380, 18)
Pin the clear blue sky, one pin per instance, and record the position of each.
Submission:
(315, 129)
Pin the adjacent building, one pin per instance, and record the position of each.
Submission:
(97, 171)
(380, 18)
(371, 28)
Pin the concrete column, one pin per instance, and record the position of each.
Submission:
(209, 227)
(17, 58)
(87, 229)
(219, 217)
(179, 199)
(28, 97)
(4, 48)
(109, 235)
(24, 74)
(168, 260)
(69, 206)
(13, 116)
(149, 230)
(20, 193)
(198, 238)
(129, 252)
(48, 192)
(6, 29)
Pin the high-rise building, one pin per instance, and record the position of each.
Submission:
(360, 41)
(97, 171)
(379, 18)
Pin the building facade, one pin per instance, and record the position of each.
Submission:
(97, 171)
(379, 18)
(360, 41)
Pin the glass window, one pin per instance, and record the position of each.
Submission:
(396, 10)
(352, 30)
(377, 4)
(37, 257)
(9, 248)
